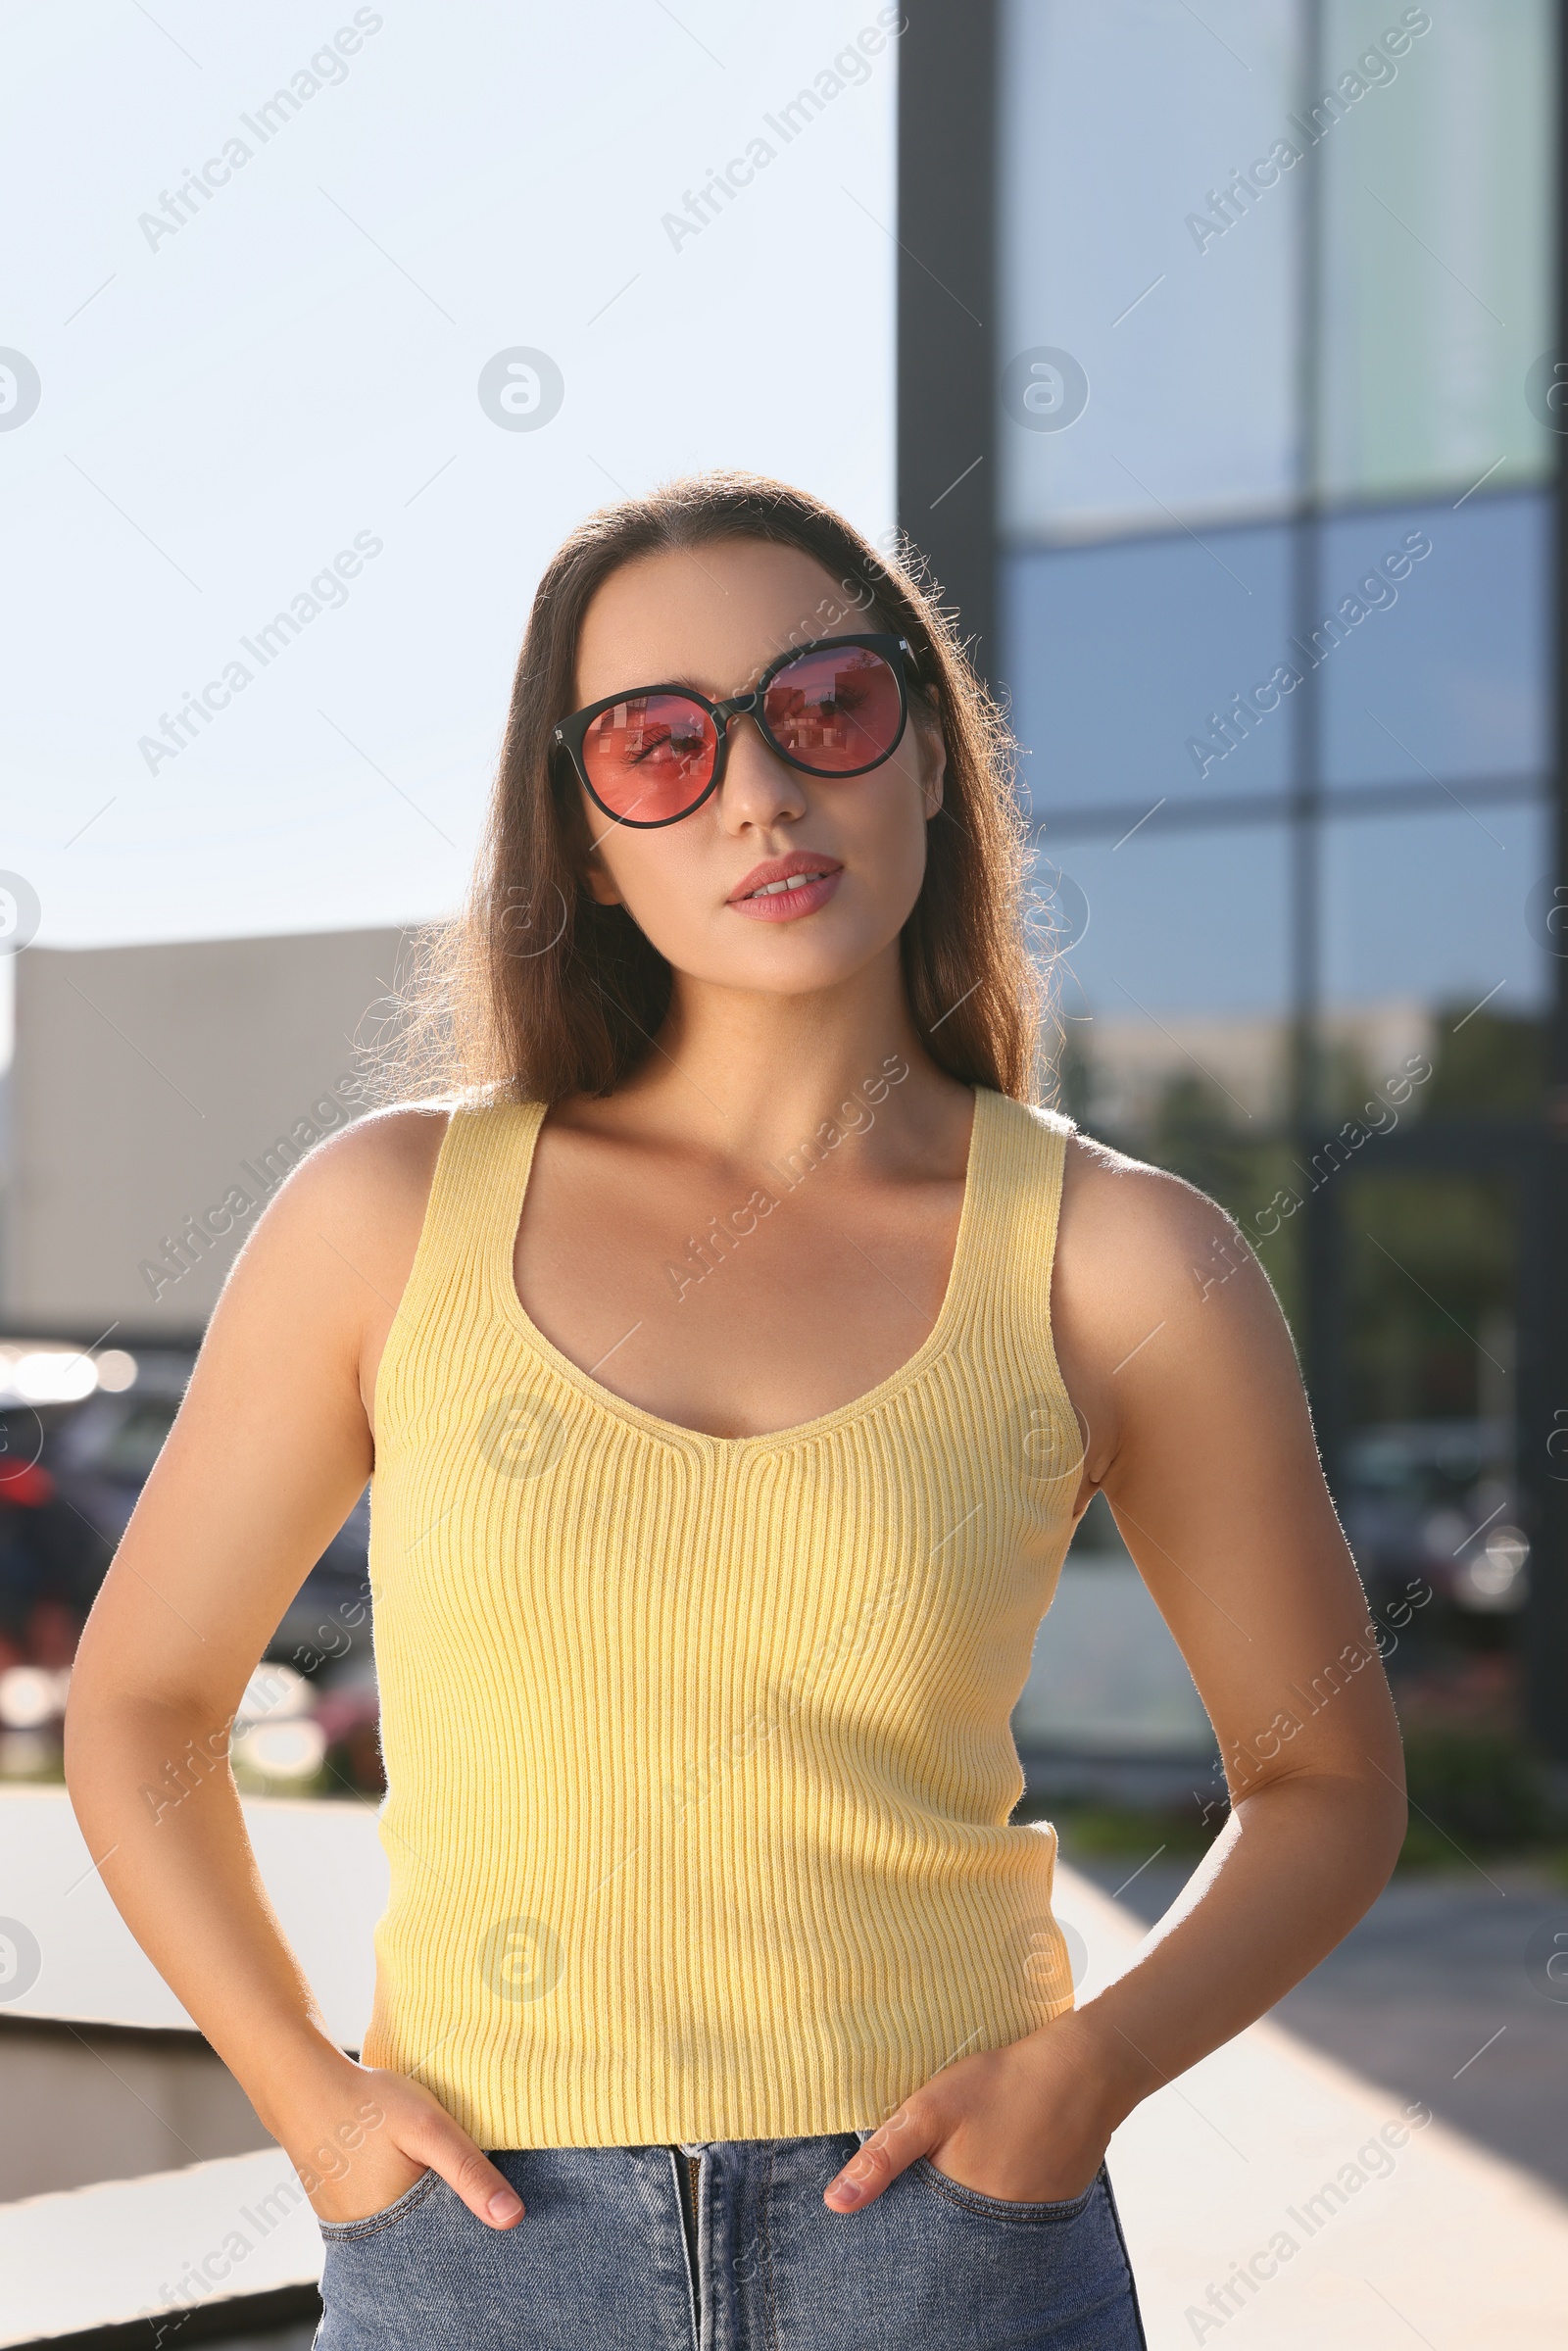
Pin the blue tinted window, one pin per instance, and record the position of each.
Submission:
(1435, 909)
(1436, 213)
(1186, 922)
(1445, 673)
(1177, 977)
(1120, 243)
(1118, 656)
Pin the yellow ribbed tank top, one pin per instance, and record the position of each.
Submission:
(699, 1749)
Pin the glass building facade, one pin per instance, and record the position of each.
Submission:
(1261, 551)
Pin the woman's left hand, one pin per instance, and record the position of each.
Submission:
(1028, 2123)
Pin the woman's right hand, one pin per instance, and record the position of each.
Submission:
(359, 2137)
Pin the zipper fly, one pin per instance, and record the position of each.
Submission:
(689, 2209)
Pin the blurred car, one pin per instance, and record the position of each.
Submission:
(52, 1556)
(98, 1454)
(348, 1709)
(101, 1450)
(1437, 1502)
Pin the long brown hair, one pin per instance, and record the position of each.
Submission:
(537, 990)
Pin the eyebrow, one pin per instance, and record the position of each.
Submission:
(679, 678)
(695, 685)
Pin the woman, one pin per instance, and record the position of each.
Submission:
(734, 1354)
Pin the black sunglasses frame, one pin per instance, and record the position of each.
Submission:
(570, 733)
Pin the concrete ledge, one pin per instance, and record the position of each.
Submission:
(213, 2235)
(86, 2103)
(323, 1866)
(284, 2321)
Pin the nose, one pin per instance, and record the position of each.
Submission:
(740, 705)
(759, 787)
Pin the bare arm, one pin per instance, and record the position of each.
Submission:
(1177, 1357)
(271, 1448)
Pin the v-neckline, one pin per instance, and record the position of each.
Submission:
(675, 1431)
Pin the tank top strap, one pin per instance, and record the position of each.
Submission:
(1024, 1170)
(475, 1199)
(1028, 1164)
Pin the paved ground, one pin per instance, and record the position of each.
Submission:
(1431, 1996)
(1291, 2200)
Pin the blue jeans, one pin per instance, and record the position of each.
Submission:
(603, 2255)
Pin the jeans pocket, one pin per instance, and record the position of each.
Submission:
(1005, 2208)
(334, 2232)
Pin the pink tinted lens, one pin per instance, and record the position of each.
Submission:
(648, 758)
(835, 712)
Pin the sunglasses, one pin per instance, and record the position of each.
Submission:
(836, 706)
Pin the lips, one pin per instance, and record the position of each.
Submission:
(795, 881)
(791, 900)
(784, 877)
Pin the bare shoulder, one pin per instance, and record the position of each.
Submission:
(371, 1176)
(385, 1162)
(338, 1239)
(1124, 1222)
(1155, 1294)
